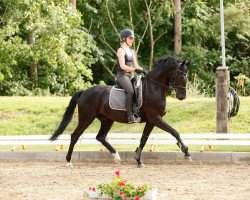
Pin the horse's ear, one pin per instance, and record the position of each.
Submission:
(188, 62)
(183, 63)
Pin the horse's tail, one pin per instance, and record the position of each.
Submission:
(67, 115)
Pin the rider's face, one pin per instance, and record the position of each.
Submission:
(129, 40)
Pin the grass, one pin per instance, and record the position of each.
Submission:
(41, 115)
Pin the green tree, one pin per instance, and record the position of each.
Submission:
(201, 39)
(62, 50)
(149, 19)
(155, 34)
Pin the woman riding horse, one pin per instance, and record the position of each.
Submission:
(127, 65)
(94, 103)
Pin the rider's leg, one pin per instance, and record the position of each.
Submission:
(125, 83)
(129, 104)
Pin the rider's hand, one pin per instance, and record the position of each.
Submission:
(138, 70)
(145, 72)
(141, 71)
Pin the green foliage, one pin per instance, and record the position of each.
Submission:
(125, 14)
(200, 34)
(66, 49)
(197, 88)
(62, 51)
(237, 38)
(201, 66)
(243, 84)
(201, 39)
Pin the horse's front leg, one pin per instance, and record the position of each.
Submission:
(146, 132)
(160, 123)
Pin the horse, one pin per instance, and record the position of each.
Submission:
(94, 103)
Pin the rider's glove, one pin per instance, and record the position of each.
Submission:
(141, 71)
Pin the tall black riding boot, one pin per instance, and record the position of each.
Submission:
(132, 118)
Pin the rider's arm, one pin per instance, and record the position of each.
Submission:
(135, 63)
(121, 59)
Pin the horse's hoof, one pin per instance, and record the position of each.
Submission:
(116, 157)
(141, 165)
(69, 165)
(188, 158)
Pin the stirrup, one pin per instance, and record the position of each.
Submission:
(133, 118)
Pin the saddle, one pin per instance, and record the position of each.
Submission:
(117, 96)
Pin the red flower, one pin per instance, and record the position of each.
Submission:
(139, 188)
(137, 198)
(122, 184)
(118, 173)
(92, 189)
(126, 198)
(121, 193)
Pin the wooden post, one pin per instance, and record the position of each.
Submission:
(177, 27)
(222, 86)
(73, 4)
(33, 64)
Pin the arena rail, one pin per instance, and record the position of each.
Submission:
(132, 138)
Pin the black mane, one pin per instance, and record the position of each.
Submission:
(164, 63)
(167, 61)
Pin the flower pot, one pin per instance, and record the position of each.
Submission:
(94, 194)
(151, 194)
(106, 197)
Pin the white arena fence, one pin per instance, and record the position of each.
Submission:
(132, 139)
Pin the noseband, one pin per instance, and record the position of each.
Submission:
(172, 83)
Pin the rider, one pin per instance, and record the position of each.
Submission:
(125, 71)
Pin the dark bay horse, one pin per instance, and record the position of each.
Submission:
(94, 103)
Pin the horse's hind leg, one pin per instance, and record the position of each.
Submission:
(106, 125)
(75, 136)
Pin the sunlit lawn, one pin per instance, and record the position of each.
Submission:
(41, 115)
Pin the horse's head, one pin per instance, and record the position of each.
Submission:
(169, 71)
(179, 80)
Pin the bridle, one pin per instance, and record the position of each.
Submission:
(172, 83)
(173, 80)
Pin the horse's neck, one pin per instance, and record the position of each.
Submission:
(155, 90)
(161, 79)
(163, 74)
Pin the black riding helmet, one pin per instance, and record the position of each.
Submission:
(126, 33)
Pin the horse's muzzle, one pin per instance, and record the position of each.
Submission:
(181, 96)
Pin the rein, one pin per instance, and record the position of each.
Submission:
(172, 82)
(165, 86)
